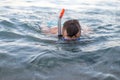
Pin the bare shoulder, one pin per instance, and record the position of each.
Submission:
(52, 30)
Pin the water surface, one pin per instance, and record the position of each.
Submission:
(28, 54)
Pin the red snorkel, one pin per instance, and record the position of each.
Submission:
(59, 23)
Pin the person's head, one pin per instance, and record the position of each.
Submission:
(71, 29)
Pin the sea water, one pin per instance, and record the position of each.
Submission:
(26, 53)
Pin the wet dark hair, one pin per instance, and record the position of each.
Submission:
(72, 27)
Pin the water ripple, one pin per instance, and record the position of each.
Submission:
(26, 53)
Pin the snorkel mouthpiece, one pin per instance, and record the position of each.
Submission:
(59, 23)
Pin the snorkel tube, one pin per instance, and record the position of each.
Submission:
(59, 23)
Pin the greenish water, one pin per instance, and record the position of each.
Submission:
(28, 54)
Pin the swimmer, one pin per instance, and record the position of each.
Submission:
(71, 30)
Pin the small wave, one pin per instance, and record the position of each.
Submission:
(6, 23)
(10, 35)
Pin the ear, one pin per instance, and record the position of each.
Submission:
(78, 34)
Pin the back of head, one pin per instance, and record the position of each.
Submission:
(72, 27)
